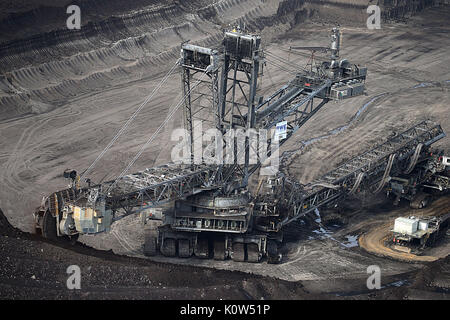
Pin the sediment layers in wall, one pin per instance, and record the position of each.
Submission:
(43, 64)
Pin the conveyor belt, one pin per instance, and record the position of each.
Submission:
(403, 144)
(155, 186)
(370, 166)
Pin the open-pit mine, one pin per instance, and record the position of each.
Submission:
(226, 149)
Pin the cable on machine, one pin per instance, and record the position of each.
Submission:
(125, 126)
(150, 140)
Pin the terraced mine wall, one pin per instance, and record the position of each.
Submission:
(43, 64)
(395, 9)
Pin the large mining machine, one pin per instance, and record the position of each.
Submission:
(425, 176)
(209, 211)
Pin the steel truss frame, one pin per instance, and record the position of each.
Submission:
(297, 109)
(156, 186)
(202, 102)
(366, 170)
(240, 85)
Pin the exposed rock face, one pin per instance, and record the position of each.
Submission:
(395, 9)
(6, 229)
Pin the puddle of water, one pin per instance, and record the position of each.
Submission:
(321, 232)
(352, 241)
(423, 85)
(327, 233)
(397, 284)
(319, 219)
(359, 292)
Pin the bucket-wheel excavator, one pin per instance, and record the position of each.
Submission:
(209, 209)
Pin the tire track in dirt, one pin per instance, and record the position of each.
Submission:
(19, 158)
(333, 149)
(116, 231)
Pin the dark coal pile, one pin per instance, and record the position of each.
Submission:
(31, 268)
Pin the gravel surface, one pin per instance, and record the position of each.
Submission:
(31, 268)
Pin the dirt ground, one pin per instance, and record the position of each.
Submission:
(61, 102)
(33, 268)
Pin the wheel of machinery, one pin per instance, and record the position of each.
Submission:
(49, 226)
(150, 246)
(238, 253)
(219, 250)
(273, 254)
(169, 248)
(253, 253)
(184, 248)
(201, 249)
